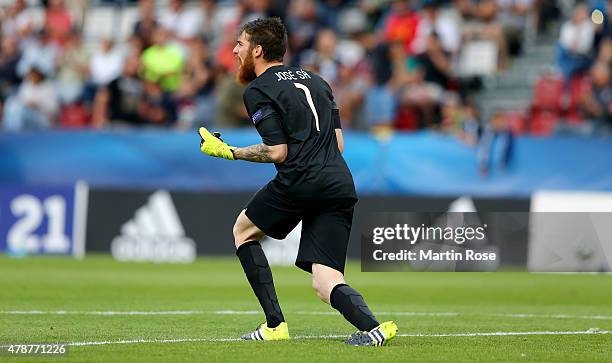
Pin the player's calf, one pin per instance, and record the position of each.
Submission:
(331, 288)
(324, 279)
(256, 268)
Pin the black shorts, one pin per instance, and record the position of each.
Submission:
(326, 225)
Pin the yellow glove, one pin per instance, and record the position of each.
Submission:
(211, 144)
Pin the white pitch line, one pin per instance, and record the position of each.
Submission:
(104, 313)
(396, 313)
(196, 312)
(556, 316)
(236, 312)
(255, 312)
(494, 334)
(304, 337)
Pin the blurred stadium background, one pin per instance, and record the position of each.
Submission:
(466, 105)
(492, 105)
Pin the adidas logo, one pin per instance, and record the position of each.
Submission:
(154, 234)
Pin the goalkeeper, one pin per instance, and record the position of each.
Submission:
(294, 112)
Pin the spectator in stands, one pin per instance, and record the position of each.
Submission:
(146, 24)
(182, 22)
(198, 85)
(428, 76)
(604, 53)
(157, 107)
(122, 100)
(355, 78)
(18, 21)
(460, 120)
(330, 12)
(254, 9)
(374, 11)
(602, 31)
(230, 107)
(430, 22)
(478, 12)
(381, 103)
(34, 106)
(163, 62)
(106, 64)
(323, 59)
(38, 52)
(73, 70)
(497, 129)
(470, 128)
(58, 22)
(514, 16)
(576, 42)
(547, 13)
(435, 62)
(133, 48)
(396, 73)
(9, 58)
(224, 57)
(231, 111)
(209, 9)
(302, 23)
(597, 103)
(453, 115)
(480, 22)
(401, 24)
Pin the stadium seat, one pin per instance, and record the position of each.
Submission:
(100, 24)
(406, 119)
(548, 94)
(579, 86)
(129, 18)
(543, 123)
(74, 116)
(517, 121)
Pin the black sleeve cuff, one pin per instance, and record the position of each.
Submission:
(336, 119)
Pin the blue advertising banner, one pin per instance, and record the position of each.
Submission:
(41, 220)
(417, 164)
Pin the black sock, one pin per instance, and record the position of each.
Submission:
(255, 266)
(351, 305)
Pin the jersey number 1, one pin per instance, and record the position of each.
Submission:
(310, 102)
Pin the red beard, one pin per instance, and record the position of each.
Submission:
(246, 72)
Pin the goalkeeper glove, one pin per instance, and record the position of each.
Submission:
(211, 144)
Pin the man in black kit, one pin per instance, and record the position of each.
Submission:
(296, 116)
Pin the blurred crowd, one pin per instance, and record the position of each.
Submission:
(584, 57)
(403, 65)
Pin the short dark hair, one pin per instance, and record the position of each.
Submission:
(271, 34)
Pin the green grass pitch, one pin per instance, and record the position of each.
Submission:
(438, 311)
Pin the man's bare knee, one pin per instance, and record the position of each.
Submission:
(244, 230)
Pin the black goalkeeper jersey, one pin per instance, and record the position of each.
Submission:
(295, 107)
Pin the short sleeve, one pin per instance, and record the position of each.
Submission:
(264, 116)
(270, 130)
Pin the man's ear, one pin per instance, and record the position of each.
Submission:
(257, 51)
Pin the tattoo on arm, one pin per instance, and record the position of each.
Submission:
(259, 153)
